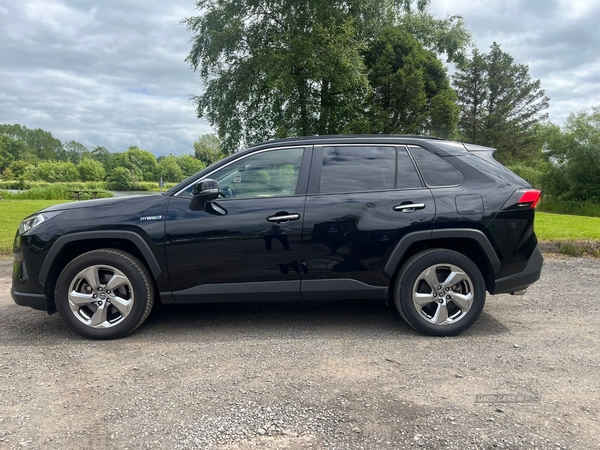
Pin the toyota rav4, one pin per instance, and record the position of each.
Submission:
(425, 223)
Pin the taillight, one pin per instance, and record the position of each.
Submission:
(530, 198)
(523, 199)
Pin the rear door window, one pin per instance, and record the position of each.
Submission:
(366, 168)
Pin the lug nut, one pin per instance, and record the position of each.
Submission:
(94, 295)
(100, 288)
(439, 286)
(447, 289)
(108, 292)
(99, 303)
(448, 297)
(435, 294)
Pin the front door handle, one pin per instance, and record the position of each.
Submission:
(409, 207)
(283, 217)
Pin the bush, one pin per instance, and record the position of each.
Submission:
(169, 170)
(533, 175)
(189, 165)
(54, 191)
(150, 186)
(120, 179)
(577, 208)
(52, 171)
(90, 170)
(13, 184)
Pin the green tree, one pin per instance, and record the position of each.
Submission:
(52, 172)
(17, 169)
(140, 162)
(411, 91)
(189, 165)
(102, 155)
(278, 69)
(501, 106)
(169, 170)
(11, 149)
(40, 143)
(120, 179)
(75, 151)
(574, 155)
(91, 170)
(208, 149)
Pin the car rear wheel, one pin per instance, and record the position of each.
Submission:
(104, 294)
(440, 292)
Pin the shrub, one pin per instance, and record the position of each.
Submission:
(52, 171)
(120, 179)
(90, 170)
(169, 170)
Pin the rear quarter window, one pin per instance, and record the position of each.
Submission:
(436, 171)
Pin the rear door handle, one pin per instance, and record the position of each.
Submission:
(409, 207)
(283, 218)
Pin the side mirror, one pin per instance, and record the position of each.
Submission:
(205, 190)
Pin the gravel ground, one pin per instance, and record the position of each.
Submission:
(339, 375)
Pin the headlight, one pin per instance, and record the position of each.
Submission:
(33, 221)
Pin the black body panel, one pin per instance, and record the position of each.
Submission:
(335, 244)
(235, 245)
(352, 235)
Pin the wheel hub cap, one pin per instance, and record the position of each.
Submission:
(443, 294)
(89, 302)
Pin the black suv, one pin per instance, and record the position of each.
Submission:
(428, 223)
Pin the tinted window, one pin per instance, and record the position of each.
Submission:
(358, 169)
(268, 174)
(435, 170)
(407, 174)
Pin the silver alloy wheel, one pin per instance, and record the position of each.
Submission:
(101, 296)
(443, 294)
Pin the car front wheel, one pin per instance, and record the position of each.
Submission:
(104, 294)
(440, 292)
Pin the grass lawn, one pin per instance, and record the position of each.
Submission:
(560, 227)
(11, 214)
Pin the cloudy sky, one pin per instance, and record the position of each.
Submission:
(112, 72)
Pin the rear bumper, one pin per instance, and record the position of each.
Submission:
(522, 280)
(35, 301)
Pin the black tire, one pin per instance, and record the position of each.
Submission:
(88, 305)
(423, 307)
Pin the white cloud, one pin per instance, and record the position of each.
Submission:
(558, 39)
(113, 73)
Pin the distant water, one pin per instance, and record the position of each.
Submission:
(124, 193)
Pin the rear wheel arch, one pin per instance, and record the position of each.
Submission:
(439, 292)
(470, 243)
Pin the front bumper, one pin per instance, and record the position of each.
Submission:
(35, 301)
(521, 280)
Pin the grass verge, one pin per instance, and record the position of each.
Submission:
(11, 214)
(574, 235)
(563, 227)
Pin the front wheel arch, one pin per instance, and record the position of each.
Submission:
(104, 294)
(70, 246)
